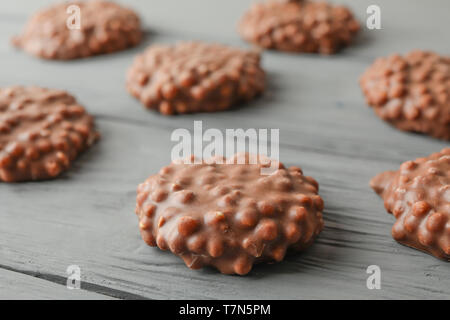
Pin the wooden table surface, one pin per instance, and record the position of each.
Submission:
(86, 217)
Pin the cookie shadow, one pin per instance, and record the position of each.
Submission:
(320, 257)
(317, 259)
(147, 38)
(362, 40)
(76, 169)
(79, 166)
(265, 100)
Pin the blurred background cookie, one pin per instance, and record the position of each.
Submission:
(104, 27)
(195, 77)
(299, 26)
(411, 92)
(41, 132)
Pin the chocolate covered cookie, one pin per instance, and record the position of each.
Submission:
(299, 26)
(105, 27)
(195, 77)
(41, 132)
(418, 195)
(228, 215)
(411, 92)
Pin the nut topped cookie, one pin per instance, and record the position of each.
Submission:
(105, 27)
(418, 195)
(195, 77)
(227, 214)
(411, 92)
(299, 26)
(41, 132)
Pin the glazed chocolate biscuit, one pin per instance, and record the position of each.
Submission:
(412, 92)
(418, 195)
(195, 77)
(228, 215)
(105, 27)
(41, 132)
(299, 26)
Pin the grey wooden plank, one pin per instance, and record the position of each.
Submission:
(18, 286)
(86, 217)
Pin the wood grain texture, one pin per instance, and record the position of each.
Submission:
(86, 217)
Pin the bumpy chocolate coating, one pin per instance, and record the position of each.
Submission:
(195, 77)
(105, 27)
(411, 92)
(228, 215)
(41, 132)
(299, 26)
(418, 195)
